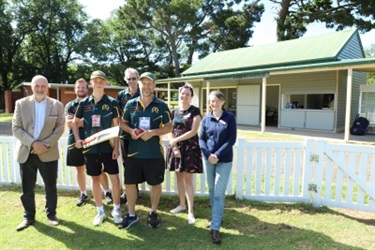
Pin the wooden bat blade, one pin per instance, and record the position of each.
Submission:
(101, 136)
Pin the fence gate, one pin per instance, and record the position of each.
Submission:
(341, 175)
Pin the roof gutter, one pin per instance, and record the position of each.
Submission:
(366, 64)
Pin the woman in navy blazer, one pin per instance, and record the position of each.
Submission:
(218, 134)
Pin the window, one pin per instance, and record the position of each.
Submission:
(308, 101)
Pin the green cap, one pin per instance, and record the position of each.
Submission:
(148, 75)
(98, 74)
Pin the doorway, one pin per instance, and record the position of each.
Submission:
(272, 105)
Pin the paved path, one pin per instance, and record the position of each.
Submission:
(5, 128)
(368, 138)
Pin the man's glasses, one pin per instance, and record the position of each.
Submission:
(132, 78)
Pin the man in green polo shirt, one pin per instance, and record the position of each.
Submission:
(132, 91)
(145, 119)
(74, 156)
(100, 111)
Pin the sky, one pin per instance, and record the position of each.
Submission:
(264, 32)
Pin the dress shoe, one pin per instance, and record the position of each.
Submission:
(215, 236)
(25, 224)
(53, 221)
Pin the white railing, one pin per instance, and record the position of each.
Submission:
(313, 171)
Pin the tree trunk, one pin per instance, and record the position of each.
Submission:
(283, 13)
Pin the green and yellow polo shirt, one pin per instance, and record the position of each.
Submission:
(71, 108)
(122, 98)
(156, 114)
(97, 117)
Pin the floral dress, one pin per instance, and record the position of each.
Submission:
(191, 156)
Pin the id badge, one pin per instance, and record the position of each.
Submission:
(144, 123)
(95, 121)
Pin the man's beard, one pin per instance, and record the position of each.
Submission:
(39, 95)
(81, 95)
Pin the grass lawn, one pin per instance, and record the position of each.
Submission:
(6, 117)
(246, 225)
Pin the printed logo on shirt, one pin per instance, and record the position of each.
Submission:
(155, 110)
(88, 108)
(105, 107)
(135, 109)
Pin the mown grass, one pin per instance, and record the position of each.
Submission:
(5, 117)
(246, 225)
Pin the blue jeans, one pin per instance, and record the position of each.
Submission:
(217, 178)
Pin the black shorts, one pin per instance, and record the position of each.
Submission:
(74, 157)
(96, 163)
(141, 170)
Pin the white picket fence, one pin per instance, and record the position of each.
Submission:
(312, 171)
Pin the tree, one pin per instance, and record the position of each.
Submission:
(14, 28)
(294, 15)
(230, 29)
(168, 20)
(58, 28)
(185, 27)
(38, 37)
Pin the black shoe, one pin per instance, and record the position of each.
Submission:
(53, 220)
(108, 198)
(25, 224)
(153, 220)
(127, 222)
(82, 200)
(215, 236)
(123, 198)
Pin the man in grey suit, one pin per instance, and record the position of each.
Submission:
(38, 123)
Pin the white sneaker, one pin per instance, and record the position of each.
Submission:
(99, 218)
(191, 218)
(116, 214)
(178, 210)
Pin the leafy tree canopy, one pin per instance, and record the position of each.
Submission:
(294, 15)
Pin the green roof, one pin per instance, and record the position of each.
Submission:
(322, 48)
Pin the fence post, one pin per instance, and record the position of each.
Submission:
(241, 143)
(307, 170)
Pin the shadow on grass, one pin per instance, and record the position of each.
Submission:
(76, 236)
(302, 208)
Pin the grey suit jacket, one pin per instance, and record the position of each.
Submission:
(23, 128)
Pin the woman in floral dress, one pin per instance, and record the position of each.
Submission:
(184, 154)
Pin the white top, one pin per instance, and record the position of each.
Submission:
(40, 114)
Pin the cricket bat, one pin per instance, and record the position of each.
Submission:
(101, 136)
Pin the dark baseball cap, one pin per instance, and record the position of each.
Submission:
(148, 75)
(98, 74)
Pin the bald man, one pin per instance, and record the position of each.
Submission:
(38, 123)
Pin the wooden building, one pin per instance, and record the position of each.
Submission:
(310, 83)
